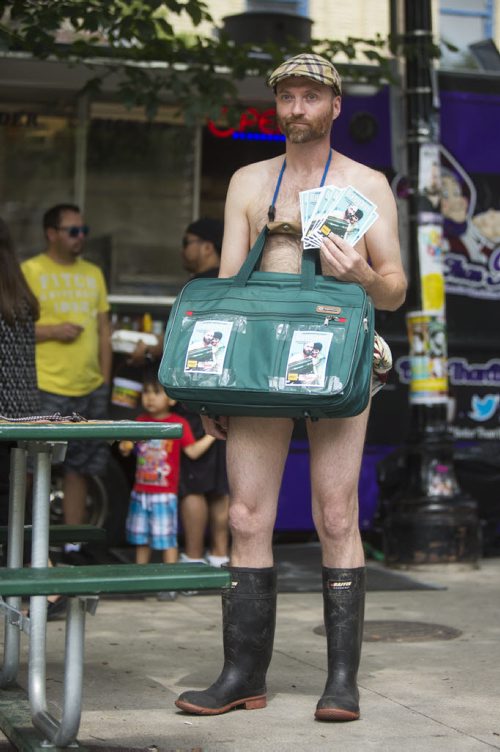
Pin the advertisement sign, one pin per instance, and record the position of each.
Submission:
(429, 376)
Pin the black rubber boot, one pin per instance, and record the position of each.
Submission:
(344, 608)
(248, 619)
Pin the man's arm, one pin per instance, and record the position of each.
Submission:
(105, 353)
(235, 248)
(236, 242)
(64, 332)
(383, 277)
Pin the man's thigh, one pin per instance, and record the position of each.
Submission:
(336, 450)
(257, 449)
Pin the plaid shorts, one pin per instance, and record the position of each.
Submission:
(152, 520)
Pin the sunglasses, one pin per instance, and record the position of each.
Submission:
(75, 230)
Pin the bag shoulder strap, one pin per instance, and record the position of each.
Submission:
(308, 272)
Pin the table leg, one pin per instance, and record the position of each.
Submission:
(63, 732)
(15, 543)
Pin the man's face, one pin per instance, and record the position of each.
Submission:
(208, 338)
(307, 349)
(191, 249)
(69, 237)
(350, 214)
(305, 109)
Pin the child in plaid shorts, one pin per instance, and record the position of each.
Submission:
(152, 515)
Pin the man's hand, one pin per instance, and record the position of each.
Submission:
(142, 352)
(67, 332)
(343, 262)
(138, 357)
(215, 427)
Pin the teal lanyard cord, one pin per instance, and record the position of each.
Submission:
(271, 212)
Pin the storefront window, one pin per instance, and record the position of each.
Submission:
(139, 199)
(37, 158)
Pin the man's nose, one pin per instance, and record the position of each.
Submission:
(297, 106)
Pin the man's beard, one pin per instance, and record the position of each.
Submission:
(300, 132)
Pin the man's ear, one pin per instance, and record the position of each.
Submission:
(205, 246)
(50, 234)
(208, 249)
(337, 107)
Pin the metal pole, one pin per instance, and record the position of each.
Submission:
(427, 519)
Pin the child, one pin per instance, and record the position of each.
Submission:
(152, 516)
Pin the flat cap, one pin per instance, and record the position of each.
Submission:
(308, 65)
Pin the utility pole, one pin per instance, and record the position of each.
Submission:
(427, 518)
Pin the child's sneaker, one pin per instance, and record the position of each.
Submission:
(217, 561)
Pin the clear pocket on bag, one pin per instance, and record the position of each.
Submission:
(198, 353)
(310, 359)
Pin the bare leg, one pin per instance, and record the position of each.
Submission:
(75, 496)
(142, 554)
(170, 555)
(257, 449)
(336, 452)
(219, 525)
(336, 448)
(194, 517)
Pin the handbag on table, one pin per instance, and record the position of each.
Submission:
(283, 345)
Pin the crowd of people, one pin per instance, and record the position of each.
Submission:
(55, 343)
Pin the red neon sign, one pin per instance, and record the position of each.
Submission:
(251, 120)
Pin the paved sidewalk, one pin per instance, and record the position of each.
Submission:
(417, 695)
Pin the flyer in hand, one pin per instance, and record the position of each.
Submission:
(345, 212)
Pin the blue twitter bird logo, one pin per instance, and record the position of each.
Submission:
(483, 408)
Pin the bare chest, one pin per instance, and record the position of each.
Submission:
(283, 251)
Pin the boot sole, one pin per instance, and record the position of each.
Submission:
(248, 703)
(336, 714)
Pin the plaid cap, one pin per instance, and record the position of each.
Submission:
(308, 65)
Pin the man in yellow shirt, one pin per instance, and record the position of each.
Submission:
(73, 345)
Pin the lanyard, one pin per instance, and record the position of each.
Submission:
(271, 213)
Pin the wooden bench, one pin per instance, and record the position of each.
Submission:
(96, 579)
(60, 534)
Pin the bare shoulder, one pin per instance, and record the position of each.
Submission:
(371, 182)
(256, 173)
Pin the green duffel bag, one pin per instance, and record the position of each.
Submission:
(283, 345)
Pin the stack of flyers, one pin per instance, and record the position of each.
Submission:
(342, 211)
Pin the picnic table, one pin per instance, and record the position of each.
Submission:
(45, 442)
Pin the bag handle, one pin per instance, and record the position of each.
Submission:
(308, 271)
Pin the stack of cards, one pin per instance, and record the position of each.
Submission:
(341, 211)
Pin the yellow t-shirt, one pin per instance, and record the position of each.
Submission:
(75, 293)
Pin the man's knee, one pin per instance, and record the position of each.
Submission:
(244, 520)
(339, 521)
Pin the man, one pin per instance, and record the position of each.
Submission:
(73, 347)
(203, 491)
(203, 485)
(308, 101)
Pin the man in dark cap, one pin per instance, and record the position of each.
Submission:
(201, 247)
(203, 491)
(308, 101)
